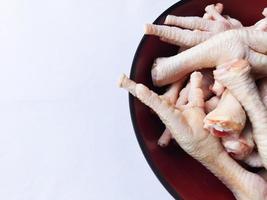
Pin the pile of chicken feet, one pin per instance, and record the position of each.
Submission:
(219, 115)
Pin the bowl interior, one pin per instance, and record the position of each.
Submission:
(181, 175)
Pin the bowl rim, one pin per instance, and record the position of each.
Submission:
(140, 140)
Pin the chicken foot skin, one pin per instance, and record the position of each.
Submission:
(177, 36)
(228, 117)
(235, 75)
(207, 81)
(170, 95)
(263, 90)
(253, 160)
(211, 104)
(227, 121)
(187, 129)
(202, 28)
(221, 48)
(241, 147)
(173, 91)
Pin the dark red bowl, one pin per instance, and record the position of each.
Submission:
(181, 175)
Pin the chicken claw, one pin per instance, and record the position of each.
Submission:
(201, 28)
(207, 81)
(177, 36)
(187, 130)
(198, 23)
(221, 48)
(235, 75)
(170, 95)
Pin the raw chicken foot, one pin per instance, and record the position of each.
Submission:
(235, 75)
(240, 148)
(221, 48)
(171, 95)
(187, 129)
(201, 28)
(207, 81)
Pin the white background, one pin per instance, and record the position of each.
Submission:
(65, 128)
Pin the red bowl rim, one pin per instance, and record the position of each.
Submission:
(140, 140)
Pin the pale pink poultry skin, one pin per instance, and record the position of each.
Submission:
(177, 36)
(238, 43)
(171, 95)
(217, 88)
(183, 96)
(211, 104)
(213, 11)
(187, 129)
(201, 28)
(235, 76)
(207, 81)
(241, 148)
(253, 160)
(228, 119)
(217, 45)
(173, 91)
(262, 24)
(263, 90)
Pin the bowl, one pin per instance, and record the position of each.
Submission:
(181, 175)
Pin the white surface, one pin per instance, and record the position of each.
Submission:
(65, 126)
